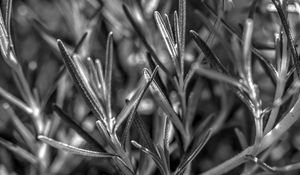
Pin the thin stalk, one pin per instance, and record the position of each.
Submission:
(248, 78)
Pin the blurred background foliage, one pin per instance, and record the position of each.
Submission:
(36, 24)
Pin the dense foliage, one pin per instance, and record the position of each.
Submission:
(149, 87)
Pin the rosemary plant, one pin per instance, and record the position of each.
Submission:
(131, 92)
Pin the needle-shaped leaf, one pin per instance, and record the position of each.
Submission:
(247, 38)
(220, 77)
(130, 104)
(15, 101)
(157, 78)
(133, 102)
(169, 27)
(268, 67)
(5, 46)
(100, 73)
(81, 81)
(19, 151)
(104, 132)
(7, 17)
(73, 124)
(192, 153)
(48, 37)
(288, 33)
(108, 74)
(80, 42)
(154, 156)
(138, 30)
(144, 135)
(122, 166)
(165, 34)
(193, 100)
(167, 39)
(166, 141)
(21, 128)
(177, 36)
(94, 80)
(215, 61)
(164, 103)
(164, 159)
(51, 90)
(72, 149)
(182, 28)
(131, 117)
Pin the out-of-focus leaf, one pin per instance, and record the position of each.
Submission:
(164, 104)
(21, 128)
(192, 153)
(50, 91)
(47, 36)
(73, 124)
(82, 83)
(144, 135)
(19, 151)
(157, 78)
(80, 42)
(130, 105)
(192, 102)
(220, 67)
(206, 123)
(268, 67)
(241, 137)
(252, 9)
(133, 102)
(220, 77)
(211, 27)
(215, 61)
(131, 117)
(74, 150)
(142, 37)
(15, 101)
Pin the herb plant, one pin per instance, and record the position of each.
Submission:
(150, 87)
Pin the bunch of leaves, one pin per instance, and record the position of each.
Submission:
(179, 129)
